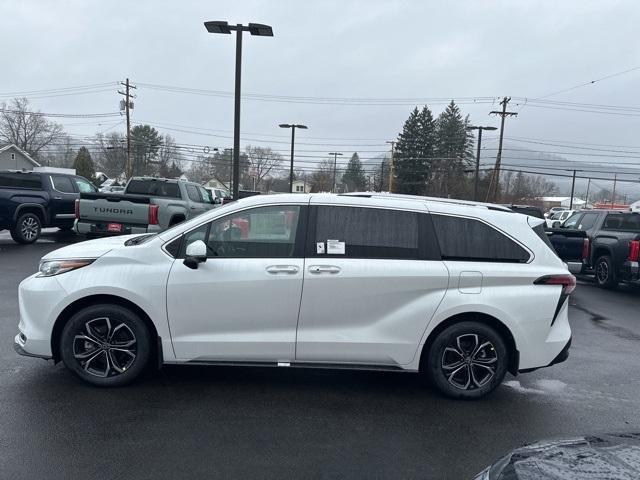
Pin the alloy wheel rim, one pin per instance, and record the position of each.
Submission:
(602, 272)
(103, 350)
(29, 228)
(469, 361)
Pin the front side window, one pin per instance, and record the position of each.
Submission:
(62, 184)
(467, 239)
(206, 195)
(572, 222)
(193, 194)
(357, 232)
(263, 232)
(587, 221)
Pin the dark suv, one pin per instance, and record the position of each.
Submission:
(30, 201)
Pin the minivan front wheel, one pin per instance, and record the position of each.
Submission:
(105, 345)
(467, 360)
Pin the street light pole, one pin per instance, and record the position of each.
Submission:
(477, 173)
(293, 139)
(254, 29)
(335, 163)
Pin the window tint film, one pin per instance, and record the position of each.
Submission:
(368, 232)
(540, 232)
(62, 184)
(472, 240)
(154, 188)
(588, 221)
(263, 232)
(20, 180)
(193, 194)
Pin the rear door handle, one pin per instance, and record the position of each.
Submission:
(317, 269)
(57, 198)
(282, 269)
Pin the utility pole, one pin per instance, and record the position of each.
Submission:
(492, 193)
(293, 140)
(573, 186)
(335, 164)
(586, 200)
(477, 173)
(613, 194)
(382, 175)
(127, 105)
(393, 147)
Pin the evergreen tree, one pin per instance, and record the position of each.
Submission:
(353, 178)
(145, 144)
(454, 149)
(84, 164)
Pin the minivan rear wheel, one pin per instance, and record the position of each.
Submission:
(467, 360)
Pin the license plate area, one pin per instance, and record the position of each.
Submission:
(114, 227)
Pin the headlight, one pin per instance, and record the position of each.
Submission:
(49, 268)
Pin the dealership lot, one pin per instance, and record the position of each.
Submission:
(250, 422)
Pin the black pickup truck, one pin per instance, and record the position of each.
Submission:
(605, 243)
(30, 201)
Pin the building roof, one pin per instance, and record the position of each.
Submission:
(21, 152)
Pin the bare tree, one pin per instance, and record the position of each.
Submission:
(59, 154)
(169, 157)
(30, 131)
(111, 156)
(262, 160)
(321, 179)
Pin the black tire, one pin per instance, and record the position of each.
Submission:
(460, 361)
(605, 273)
(27, 228)
(114, 353)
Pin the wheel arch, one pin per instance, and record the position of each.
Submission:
(34, 208)
(484, 318)
(599, 251)
(74, 307)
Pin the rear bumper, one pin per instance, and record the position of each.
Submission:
(100, 228)
(561, 357)
(18, 346)
(630, 272)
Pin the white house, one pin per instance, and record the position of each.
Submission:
(13, 158)
(635, 206)
(300, 186)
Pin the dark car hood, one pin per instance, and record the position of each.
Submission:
(611, 457)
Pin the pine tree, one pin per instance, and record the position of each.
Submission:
(454, 151)
(145, 145)
(84, 164)
(353, 178)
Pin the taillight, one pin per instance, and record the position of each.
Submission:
(634, 251)
(585, 249)
(567, 281)
(77, 208)
(153, 214)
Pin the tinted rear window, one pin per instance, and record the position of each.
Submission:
(539, 229)
(21, 180)
(629, 222)
(154, 188)
(467, 239)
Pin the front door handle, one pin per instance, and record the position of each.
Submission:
(324, 269)
(282, 269)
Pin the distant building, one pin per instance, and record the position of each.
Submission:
(300, 186)
(565, 202)
(213, 183)
(13, 158)
(635, 206)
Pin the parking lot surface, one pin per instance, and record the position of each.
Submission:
(215, 422)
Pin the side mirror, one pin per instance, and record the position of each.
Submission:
(196, 253)
(217, 201)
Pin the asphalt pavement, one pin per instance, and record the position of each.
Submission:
(225, 422)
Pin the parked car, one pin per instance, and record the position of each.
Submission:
(148, 204)
(553, 210)
(112, 189)
(218, 194)
(605, 243)
(558, 218)
(462, 292)
(30, 201)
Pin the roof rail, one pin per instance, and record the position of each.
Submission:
(401, 196)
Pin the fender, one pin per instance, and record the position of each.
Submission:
(22, 206)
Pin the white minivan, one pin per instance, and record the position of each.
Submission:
(463, 292)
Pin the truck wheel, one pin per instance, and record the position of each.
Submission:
(605, 273)
(27, 228)
(467, 360)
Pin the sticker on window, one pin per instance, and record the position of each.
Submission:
(319, 247)
(335, 247)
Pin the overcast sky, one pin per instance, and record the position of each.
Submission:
(351, 49)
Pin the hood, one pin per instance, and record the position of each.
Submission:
(613, 456)
(89, 249)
